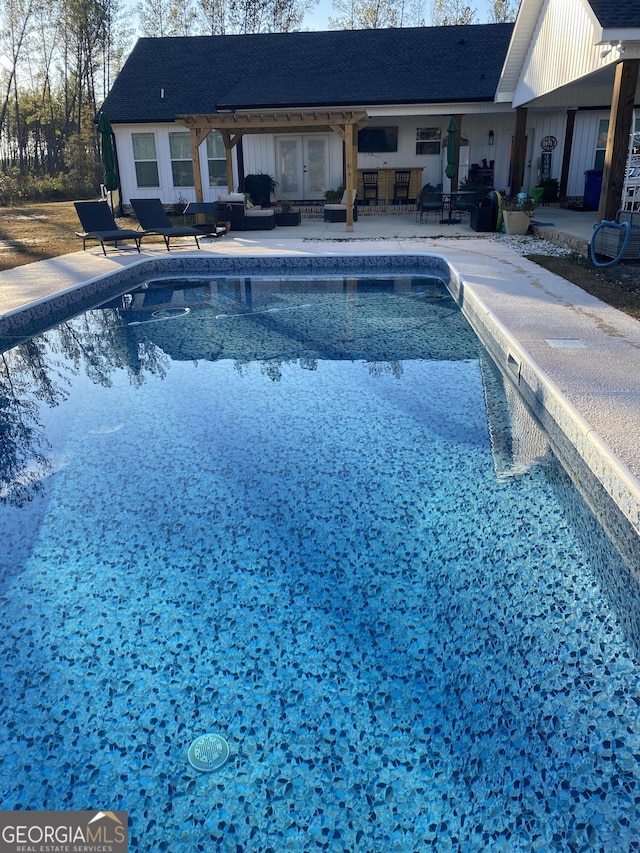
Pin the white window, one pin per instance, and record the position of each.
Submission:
(428, 140)
(145, 158)
(181, 162)
(217, 160)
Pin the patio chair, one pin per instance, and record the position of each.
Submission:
(338, 212)
(401, 187)
(98, 224)
(429, 201)
(153, 219)
(243, 218)
(370, 187)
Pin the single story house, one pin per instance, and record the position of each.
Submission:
(550, 96)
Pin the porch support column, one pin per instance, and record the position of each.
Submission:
(454, 179)
(519, 152)
(615, 158)
(566, 154)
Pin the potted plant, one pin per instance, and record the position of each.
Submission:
(334, 196)
(260, 187)
(550, 190)
(517, 213)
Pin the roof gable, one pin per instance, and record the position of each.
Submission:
(167, 76)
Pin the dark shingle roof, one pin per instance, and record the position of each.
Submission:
(614, 14)
(201, 74)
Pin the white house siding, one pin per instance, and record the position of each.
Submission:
(166, 191)
(539, 126)
(584, 148)
(475, 126)
(259, 151)
(259, 155)
(563, 49)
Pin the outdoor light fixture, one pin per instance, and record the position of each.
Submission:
(613, 45)
(491, 137)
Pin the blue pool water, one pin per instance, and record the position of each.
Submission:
(310, 518)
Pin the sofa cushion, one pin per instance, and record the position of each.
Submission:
(235, 198)
(259, 211)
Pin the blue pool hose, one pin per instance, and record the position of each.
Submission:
(625, 226)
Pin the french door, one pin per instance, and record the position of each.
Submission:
(302, 166)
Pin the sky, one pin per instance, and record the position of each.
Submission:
(318, 17)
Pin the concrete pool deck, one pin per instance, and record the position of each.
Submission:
(586, 353)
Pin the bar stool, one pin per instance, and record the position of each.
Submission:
(401, 187)
(370, 187)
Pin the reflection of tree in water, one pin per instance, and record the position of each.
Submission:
(37, 373)
(272, 367)
(26, 381)
(101, 342)
(377, 368)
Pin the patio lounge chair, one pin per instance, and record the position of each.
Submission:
(338, 212)
(153, 219)
(98, 224)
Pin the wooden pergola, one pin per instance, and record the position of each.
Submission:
(233, 125)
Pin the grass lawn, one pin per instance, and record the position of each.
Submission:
(34, 231)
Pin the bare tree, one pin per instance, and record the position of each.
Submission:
(446, 13)
(502, 11)
(15, 24)
(375, 14)
(213, 17)
(182, 18)
(153, 17)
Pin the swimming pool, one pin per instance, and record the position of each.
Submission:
(268, 516)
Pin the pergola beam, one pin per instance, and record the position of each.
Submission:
(268, 122)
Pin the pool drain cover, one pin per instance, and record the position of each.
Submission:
(208, 752)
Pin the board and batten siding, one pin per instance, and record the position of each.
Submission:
(584, 148)
(562, 50)
(166, 191)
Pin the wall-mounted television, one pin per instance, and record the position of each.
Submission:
(377, 139)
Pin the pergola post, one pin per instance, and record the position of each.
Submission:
(228, 147)
(197, 135)
(615, 158)
(350, 172)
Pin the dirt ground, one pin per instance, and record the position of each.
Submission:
(33, 232)
(618, 285)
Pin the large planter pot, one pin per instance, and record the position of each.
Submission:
(516, 221)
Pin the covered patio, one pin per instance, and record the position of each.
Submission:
(233, 125)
